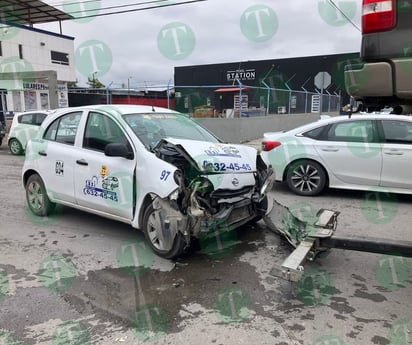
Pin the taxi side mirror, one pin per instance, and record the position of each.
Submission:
(118, 150)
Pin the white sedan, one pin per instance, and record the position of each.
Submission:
(23, 128)
(362, 152)
(152, 168)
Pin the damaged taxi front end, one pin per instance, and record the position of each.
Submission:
(219, 187)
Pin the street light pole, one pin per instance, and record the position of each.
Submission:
(128, 89)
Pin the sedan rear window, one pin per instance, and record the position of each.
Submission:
(314, 133)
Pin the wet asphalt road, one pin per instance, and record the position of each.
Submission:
(76, 278)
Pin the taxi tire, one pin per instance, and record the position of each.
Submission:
(45, 206)
(179, 243)
(15, 147)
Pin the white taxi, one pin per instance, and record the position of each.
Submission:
(150, 167)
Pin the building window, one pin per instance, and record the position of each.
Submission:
(59, 58)
(20, 51)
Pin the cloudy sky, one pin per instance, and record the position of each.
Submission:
(143, 47)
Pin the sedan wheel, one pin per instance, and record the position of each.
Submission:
(15, 147)
(152, 228)
(306, 178)
(36, 196)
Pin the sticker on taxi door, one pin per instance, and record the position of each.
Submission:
(105, 191)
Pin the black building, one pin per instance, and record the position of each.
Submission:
(285, 84)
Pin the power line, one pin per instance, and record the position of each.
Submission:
(64, 3)
(332, 3)
(117, 7)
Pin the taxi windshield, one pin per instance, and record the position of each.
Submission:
(151, 128)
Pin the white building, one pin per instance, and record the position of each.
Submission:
(35, 65)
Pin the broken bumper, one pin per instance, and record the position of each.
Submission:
(229, 218)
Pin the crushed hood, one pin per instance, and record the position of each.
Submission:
(219, 157)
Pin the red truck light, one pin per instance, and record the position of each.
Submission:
(378, 15)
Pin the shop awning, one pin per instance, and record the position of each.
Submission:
(231, 89)
(28, 12)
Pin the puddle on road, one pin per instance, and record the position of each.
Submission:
(197, 278)
(149, 301)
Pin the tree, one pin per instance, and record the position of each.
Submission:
(95, 83)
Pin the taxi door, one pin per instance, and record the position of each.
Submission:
(102, 183)
(54, 156)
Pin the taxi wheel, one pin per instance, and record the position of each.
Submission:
(36, 196)
(306, 177)
(152, 229)
(15, 147)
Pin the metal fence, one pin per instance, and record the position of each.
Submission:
(247, 101)
(216, 100)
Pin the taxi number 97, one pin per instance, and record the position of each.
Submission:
(164, 175)
(225, 167)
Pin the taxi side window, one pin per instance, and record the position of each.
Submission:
(100, 131)
(64, 129)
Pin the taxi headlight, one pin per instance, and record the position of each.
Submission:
(174, 195)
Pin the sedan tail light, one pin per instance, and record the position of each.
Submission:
(270, 145)
(378, 15)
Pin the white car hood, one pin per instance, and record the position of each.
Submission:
(225, 158)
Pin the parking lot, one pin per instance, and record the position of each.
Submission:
(76, 278)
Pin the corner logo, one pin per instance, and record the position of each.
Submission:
(220, 240)
(93, 58)
(379, 207)
(134, 257)
(259, 23)
(232, 305)
(57, 273)
(82, 11)
(393, 272)
(176, 41)
(14, 65)
(8, 339)
(71, 333)
(337, 16)
(7, 31)
(149, 323)
(401, 332)
(315, 287)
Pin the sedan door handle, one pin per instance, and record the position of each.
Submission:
(393, 153)
(330, 149)
(82, 162)
(42, 153)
